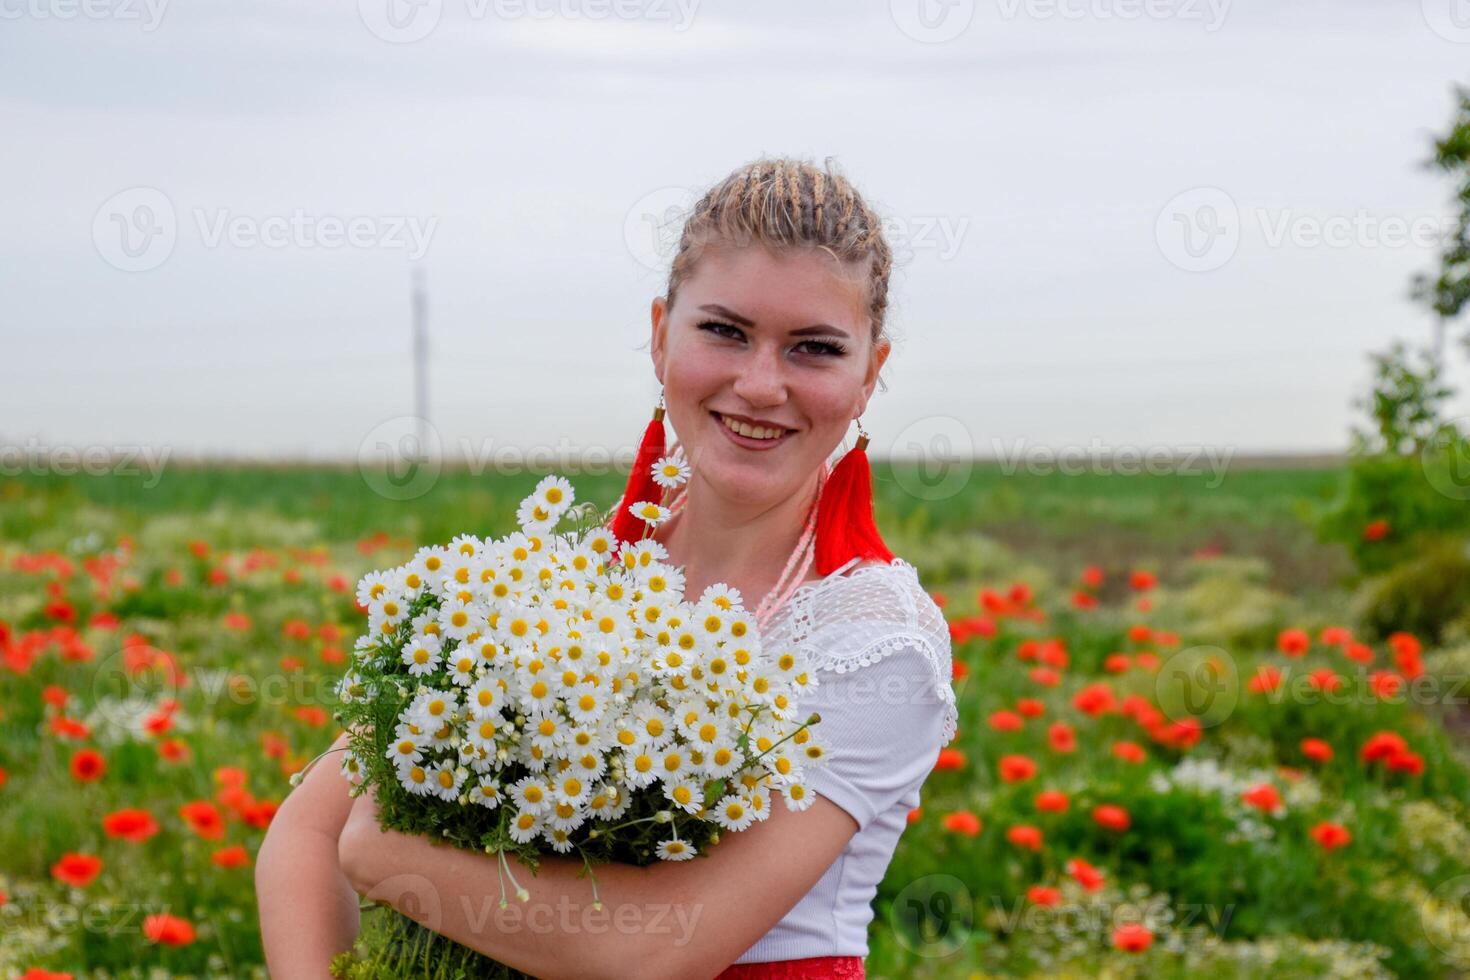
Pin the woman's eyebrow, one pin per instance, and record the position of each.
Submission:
(820, 328)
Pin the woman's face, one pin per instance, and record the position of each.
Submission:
(777, 344)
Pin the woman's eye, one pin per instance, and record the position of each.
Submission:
(820, 348)
(716, 327)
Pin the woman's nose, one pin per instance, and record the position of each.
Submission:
(762, 379)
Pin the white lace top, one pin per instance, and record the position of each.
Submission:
(882, 652)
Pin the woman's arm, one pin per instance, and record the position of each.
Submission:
(676, 920)
(308, 909)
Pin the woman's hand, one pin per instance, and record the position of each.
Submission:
(360, 834)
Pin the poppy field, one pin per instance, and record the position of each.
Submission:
(1179, 755)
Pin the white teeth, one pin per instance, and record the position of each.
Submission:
(751, 431)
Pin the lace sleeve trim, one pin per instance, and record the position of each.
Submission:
(846, 622)
(940, 663)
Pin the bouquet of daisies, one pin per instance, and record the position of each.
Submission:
(556, 690)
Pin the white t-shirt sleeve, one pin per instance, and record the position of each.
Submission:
(881, 729)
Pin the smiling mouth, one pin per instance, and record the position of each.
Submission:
(764, 433)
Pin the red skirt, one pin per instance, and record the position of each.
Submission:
(811, 968)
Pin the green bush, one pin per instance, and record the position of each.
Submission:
(1422, 596)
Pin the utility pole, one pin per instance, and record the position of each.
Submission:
(421, 361)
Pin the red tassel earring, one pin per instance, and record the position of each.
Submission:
(845, 525)
(641, 487)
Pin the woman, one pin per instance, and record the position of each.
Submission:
(768, 344)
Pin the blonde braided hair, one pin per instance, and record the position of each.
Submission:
(787, 203)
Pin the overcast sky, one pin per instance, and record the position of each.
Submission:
(1126, 223)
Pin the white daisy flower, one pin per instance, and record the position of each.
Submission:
(458, 618)
(798, 796)
(445, 780)
(601, 542)
(559, 839)
(352, 769)
(671, 470)
(487, 794)
(372, 587)
(466, 545)
(406, 750)
(486, 696)
(421, 654)
(415, 779)
(430, 560)
(530, 794)
(535, 518)
(555, 494)
(723, 758)
(721, 596)
(676, 850)
(463, 666)
(733, 813)
(524, 826)
(483, 731)
(432, 709)
(649, 512)
(684, 794)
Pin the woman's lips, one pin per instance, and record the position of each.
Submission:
(745, 441)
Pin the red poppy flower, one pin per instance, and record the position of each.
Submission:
(204, 819)
(1095, 699)
(87, 765)
(1083, 600)
(1006, 721)
(1129, 752)
(1061, 737)
(168, 930)
(134, 826)
(1293, 642)
(1331, 836)
(950, 760)
(1016, 768)
(1023, 835)
(1030, 707)
(1376, 530)
(1132, 937)
(962, 822)
(1141, 581)
(1092, 576)
(1085, 874)
(1263, 797)
(1267, 678)
(1316, 750)
(36, 973)
(1043, 895)
(1052, 801)
(1111, 817)
(1045, 676)
(77, 870)
(231, 857)
(914, 814)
